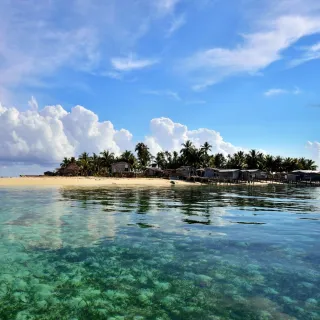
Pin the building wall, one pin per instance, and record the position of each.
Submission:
(120, 167)
(232, 175)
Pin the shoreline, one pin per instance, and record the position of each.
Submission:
(101, 181)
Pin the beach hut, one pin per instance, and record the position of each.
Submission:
(186, 171)
(228, 174)
(304, 175)
(211, 173)
(153, 172)
(70, 170)
(120, 167)
(252, 174)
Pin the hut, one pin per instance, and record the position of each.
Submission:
(211, 173)
(228, 174)
(186, 171)
(304, 175)
(70, 170)
(252, 174)
(120, 167)
(200, 172)
(153, 172)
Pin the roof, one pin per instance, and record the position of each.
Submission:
(306, 171)
(227, 170)
(250, 170)
(119, 162)
(154, 169)
(72, 166)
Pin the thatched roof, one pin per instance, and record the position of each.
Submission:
(70, 169)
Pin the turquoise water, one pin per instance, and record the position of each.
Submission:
(180, 253)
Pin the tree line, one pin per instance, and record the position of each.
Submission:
(189, 155)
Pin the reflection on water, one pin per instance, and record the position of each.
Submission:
(180, 253)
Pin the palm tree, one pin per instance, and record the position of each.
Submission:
(144, 155)
(84, 164)
(107, 158)
(252, 159)
(269, 163)
(205, 148)
(95, 163)
(238, 161)
(219, 160)
(84, 156)
(65, 162)
(129, 157)
(310, 165)
(187, 152)
(161, 160)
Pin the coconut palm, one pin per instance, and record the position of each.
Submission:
(65, 162)
(144, 156)
(219, 160)
(187, 152)
(95, 164)
(107, 158)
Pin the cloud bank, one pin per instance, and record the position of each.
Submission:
(43, 137)
(46, 136)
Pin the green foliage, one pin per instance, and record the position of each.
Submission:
(189, 155)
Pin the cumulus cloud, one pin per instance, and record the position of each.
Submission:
(314, 148)
(169, 135)
(46, 136)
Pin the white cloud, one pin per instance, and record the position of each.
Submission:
(43, 137)
(310, 53)
(168, 93)
(314, 147)
(277, 92)
(176, 24)
(131, 63)
(168, 135)
(257, 51)
(39, 39)
(166, 6)
(48, 135)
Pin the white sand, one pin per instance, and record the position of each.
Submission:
(97, 181)
(90, 181)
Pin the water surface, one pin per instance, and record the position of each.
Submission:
(182, 253)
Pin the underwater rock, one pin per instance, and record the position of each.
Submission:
(162, 286)
(288, 300)
(311, 302)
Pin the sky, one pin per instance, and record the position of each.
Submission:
(89, 75)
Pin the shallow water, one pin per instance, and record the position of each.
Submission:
(180, 253)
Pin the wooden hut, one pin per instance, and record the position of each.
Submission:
(304, 175)
(153, 172)
(186, 171)
(120, 167)
(228, 174)
(252, 174)
(211, 173)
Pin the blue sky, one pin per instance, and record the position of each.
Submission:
(241, 74)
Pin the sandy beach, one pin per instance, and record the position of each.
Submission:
(90, 181)
(96, 181)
